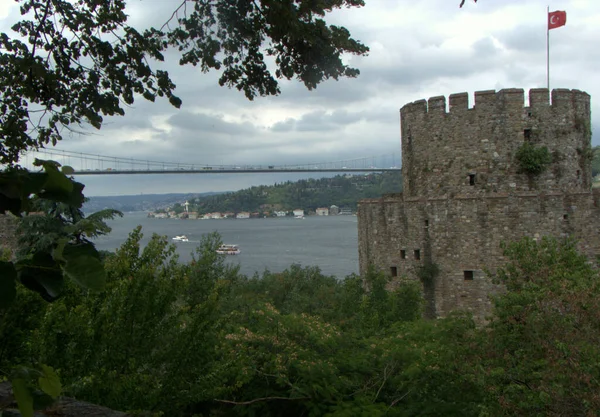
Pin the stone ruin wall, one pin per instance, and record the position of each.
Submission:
(459, 226)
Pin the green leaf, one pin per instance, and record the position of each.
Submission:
(84, 266)
(73, 198)
(175, 101)
(33, 183)
(12, 205)
(15, 189)
(67, 170)
(47, 164)
(23, 396)
(57, 253)
(8, 289)
(58, 182)
(42, 274)
(50, 382)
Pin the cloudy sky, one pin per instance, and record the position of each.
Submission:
(419, 49)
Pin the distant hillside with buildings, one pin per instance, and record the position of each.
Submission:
(140, 202)
(310, 196)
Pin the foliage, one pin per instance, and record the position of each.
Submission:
(533, 160)
(34, 388)
(17, 322)
(541, 354)
(308, 194)
(72, 63)
(54, 243)
(428, 272)
(159, 325)
(200, 339)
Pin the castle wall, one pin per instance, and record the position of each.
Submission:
(464, 193)
(465, 233)
(440, 149)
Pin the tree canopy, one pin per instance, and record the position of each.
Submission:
(73, 62)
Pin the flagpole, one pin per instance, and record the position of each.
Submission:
(547, 49)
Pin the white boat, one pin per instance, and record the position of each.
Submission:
(299, 216)
(182, 238)
(228, 250)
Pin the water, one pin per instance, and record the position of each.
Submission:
(329, 242)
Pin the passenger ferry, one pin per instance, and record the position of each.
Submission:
(228, 250)
(182, 238)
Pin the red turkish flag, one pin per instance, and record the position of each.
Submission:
(557, 19)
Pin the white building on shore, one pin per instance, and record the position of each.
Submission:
(322, 211)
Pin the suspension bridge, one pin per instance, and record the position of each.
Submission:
(94, 164)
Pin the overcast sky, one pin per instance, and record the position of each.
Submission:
(419, 49)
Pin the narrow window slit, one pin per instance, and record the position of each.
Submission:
(471, 179)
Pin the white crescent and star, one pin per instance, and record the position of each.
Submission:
(554, 19)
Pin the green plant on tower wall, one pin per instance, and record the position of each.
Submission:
(533, 160)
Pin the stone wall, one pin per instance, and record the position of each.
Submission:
(464, 233)
(442, 219)
(441, 150)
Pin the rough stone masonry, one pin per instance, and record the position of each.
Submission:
(464, 192)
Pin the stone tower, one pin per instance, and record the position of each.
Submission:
(465, 191)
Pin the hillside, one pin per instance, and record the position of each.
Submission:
(141, 202)
(343, 191)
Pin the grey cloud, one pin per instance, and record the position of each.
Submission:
(485, 48)
(523, 39)
(205, 124)
(286, 125)
(423, 67)
(319, 121)
(315, 122)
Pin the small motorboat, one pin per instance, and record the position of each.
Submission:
(228, 250)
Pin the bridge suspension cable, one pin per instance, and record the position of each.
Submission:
(89, 163)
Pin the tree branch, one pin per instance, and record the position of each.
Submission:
(174, 14)
(256, 400)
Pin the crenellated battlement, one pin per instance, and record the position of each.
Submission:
(492, 100)
(449, 147)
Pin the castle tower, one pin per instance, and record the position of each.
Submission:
(472, 150)
(466, 192)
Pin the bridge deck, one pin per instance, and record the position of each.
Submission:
(226, 171)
